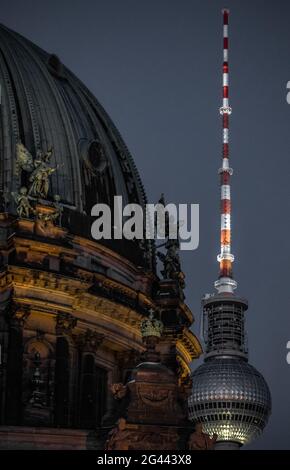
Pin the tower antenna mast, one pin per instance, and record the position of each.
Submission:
(225, 282)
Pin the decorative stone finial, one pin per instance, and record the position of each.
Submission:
(151, 326)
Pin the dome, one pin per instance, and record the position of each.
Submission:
(230, 398)
(73, 305)
(44, 105)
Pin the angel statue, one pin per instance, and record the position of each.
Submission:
(39, 168)
(23, 205)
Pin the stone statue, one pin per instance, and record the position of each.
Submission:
(170, 230)
(38, 167)
(24, 207)
(24, 160)
(171, 262)
(198, 440)
(58, 208)
(119, 391)
(39, 178)
(46, 216)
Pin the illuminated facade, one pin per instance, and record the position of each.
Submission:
(70, 308)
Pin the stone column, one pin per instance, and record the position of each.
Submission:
(88, 343)
(4, 338)
(13, 402)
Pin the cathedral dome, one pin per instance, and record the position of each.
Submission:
(44, 105)
(71, 306)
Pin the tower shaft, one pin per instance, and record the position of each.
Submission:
(225, 283)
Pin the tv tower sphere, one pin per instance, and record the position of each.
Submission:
(231, 399)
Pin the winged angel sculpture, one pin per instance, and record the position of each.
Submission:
(24, 207)
(38, 167)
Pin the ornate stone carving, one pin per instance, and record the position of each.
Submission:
(134, 437)
(65, 324)
(94, 156)
(40, 171)
(38, 167)
(151, 326)
(151, 331)
(160, 397)
(119, 391)
(58, 209)
(24, 160)
(148, 440)
(22, 199)
(19, 315)
(119, 438)
(198, 440)
(45, 220)
(151, 402)
(170, 259)
(89, 341)
(171, 262)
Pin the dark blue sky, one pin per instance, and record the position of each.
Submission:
(155, 66)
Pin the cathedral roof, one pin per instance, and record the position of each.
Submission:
(43, 105)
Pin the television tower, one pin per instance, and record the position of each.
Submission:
(229, 396)
(225, 283)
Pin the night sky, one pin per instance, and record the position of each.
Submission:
(155, 65)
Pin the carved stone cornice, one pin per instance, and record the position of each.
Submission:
(191, 343)
(5, 280)
(108, 307)
(78, 288)
(42, 279)
(184, 371)
(185, 341)
(65, 323)
(121, 293)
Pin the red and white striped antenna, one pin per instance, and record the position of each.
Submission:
(225, 283)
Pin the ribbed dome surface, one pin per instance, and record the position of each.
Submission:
(231, 398)
(44, 105)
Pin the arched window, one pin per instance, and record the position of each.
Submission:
(37, 389)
